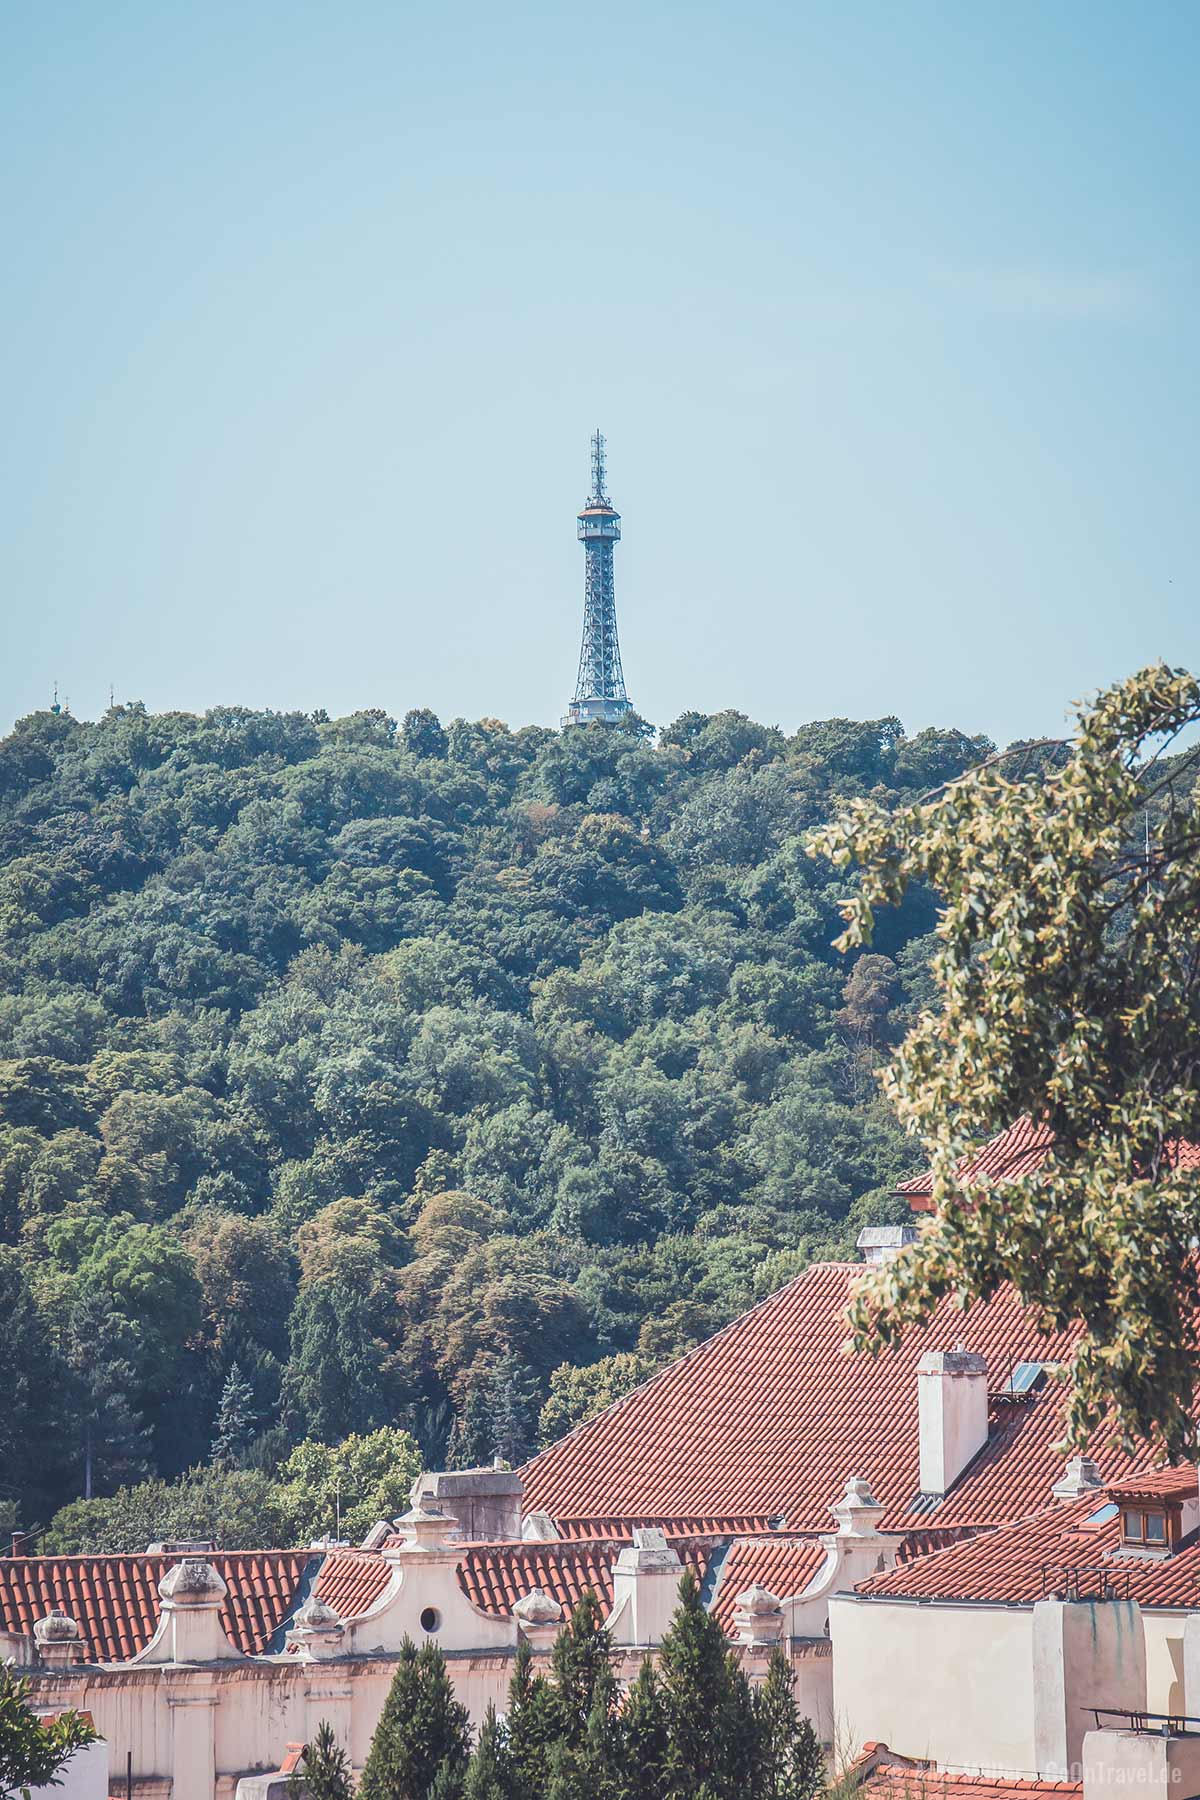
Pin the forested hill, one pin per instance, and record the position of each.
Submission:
(400, 1065)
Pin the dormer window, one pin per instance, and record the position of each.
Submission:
(1145, 1527)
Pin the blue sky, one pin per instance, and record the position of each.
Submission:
(888, 313)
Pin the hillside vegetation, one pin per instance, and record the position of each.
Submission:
(357, 1074)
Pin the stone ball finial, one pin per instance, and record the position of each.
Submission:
(314, 1615)
(192, 1583)
(757, 1602)
(757, 1616)
(57, 1628)
(537, 1608)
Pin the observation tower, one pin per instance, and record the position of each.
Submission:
(600, 685)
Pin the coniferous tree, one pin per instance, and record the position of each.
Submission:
(422, 1734)
(470, 1440)
(582, 1654)
(447, 1783)
(641, 1738)
(534, 1723)
(101, 1350)
(327, 1773)
(515, 1398)
(235, 1421)
(790, 1763)
(332, 1387)
(707, 1709)
(588, 1770)
(488, 1777)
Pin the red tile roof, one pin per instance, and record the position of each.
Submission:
(621, 1530)
(351, 1581)
(1016, 1563)
(783, 1566)
(1020, 1150)
(769, 1417)
(495, 1576)
(115, 1600)
(894, 1783)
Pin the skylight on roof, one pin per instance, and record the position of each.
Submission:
(1025, 1377)
(1108, 1511)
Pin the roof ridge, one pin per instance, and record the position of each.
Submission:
(678, 1363)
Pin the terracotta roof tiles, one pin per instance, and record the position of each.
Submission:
(1020, 1150)
(893, 1783)
(785, 1567)
(115, 1599)
(1016, 1564)
(351, 1581)
(495, 1576)
(768, 1418)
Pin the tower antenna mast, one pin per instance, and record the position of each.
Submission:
(600, 684)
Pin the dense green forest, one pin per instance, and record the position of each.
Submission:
(359, 1074)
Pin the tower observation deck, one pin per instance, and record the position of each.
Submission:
(600, 685)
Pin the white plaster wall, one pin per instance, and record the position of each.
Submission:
(1164, 1662)
(814, 1692)
(259, 1711)
(84, 1778)
(951, 1683)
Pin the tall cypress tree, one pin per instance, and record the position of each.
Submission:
(707, 1709)
(488, 1775)
(332, 1385)
(514, 1398)
(534, 1723)
(791, 1765)
(641, 1739)
(588, 1770)
(422, 1735)
(582, 1650)
(102, 1352)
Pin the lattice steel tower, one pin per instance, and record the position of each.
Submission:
(600, 685)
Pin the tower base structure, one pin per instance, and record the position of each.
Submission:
(596, 710)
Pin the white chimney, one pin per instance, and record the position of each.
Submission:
(645, 1588)
(952, 1412)
(1082, 1477)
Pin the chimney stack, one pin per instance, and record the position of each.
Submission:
(952, 1413)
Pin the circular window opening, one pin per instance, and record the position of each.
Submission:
(431, 1618)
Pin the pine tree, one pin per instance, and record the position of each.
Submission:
(488, 1774)
(102, 1352)
(447, 1783)
(326, 1769)
(809, 1772)
(235, 1421)
(641, 1739)
(515, 1399)
(790, 1762)
(469, 1445)
(707, 1709)
(582, 1651)
(534, 1724)
(422, 1735)
(332, 1386)
(588, 1770)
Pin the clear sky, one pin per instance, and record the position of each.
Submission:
(888, 312)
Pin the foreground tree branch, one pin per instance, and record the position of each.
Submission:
(1067, 967)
